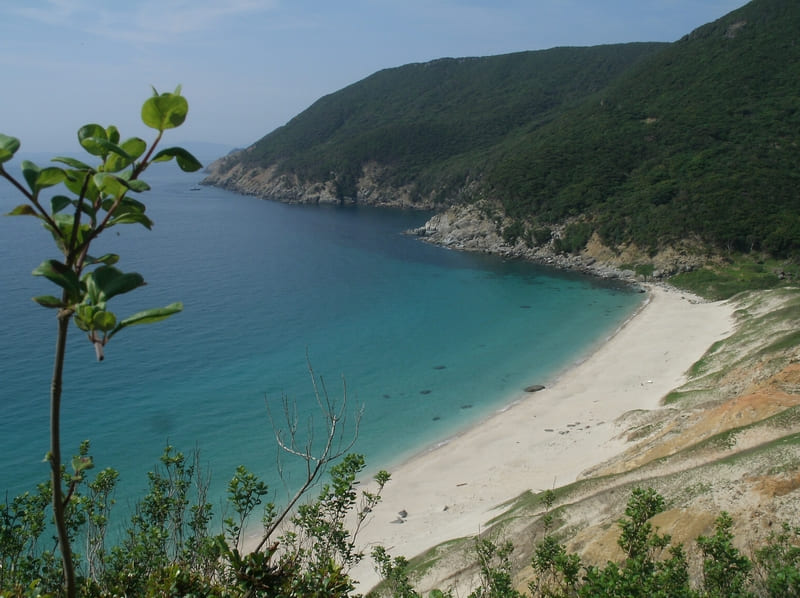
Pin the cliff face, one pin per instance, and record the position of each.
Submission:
(477, 227)
(371, 188)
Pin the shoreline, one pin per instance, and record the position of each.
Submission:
(453, 488)
(515, 397)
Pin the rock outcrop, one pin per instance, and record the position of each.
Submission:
(372, 188)
(477, 227)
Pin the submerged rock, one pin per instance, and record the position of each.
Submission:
(534, 388)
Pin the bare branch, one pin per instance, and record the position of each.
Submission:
(316, 462)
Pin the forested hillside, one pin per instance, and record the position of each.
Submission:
(419, 117)
(645, 144)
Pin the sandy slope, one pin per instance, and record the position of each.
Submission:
(548, 438)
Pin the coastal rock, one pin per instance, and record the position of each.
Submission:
(372, 188)
(534, 388)
(478, 227)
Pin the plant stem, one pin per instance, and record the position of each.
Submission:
(55, 452)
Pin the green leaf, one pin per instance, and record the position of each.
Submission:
(83, 317)
(104, 320)
(59, 202)
(129, 204)
(110, 281)
(30, 172)
(89, 136)
(75, 184)
(113, 148)
(132, 218)
(118, 158)
(60, 274)
(165, 111)
(108, 259)
(49, 301)
(134, 146)
(115, 163)
(113, 134)
(81, 464)
(39, 178)
(131, 211)
(77, 164)
(23, 210)
(8, 147)
(52, 175)
(110, 184)
(88, 208)
(138, 186)
(148, 317)
(186, 161)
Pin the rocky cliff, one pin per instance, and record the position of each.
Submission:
(372, 188)
(479, 226)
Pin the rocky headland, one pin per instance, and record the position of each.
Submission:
(477, 227)
(372, 188)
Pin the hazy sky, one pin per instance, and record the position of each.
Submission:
(248, 66)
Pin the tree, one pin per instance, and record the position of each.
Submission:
(97, 199)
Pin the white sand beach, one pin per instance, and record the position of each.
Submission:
(547, 438)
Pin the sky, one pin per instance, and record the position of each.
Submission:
(249, 66)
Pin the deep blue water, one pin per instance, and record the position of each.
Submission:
(427, 340)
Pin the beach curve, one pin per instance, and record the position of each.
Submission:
(547, 438)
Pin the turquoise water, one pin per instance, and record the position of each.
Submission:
(427, 341)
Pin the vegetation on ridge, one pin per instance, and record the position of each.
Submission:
(421, 118)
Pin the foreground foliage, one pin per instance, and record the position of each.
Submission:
(169, 547)
(98, 198)
(652, 566)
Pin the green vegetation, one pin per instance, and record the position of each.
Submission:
(737, 273)
(99, 200)
(651, 564)
(167, 549)
(693, 141)
(647, 144)
(433, 123)
(304, 548)
(642, 143)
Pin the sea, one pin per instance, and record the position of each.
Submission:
(290, 312)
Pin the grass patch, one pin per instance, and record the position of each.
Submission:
(786, 341)
(790, 466)
(791, 440)
(702, 365)
(785, 419)
(644, 431)
(679, 396)
(530, 502)
(738, 274)
(727, 439)
(421, 564)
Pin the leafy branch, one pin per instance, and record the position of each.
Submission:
(97, 199)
